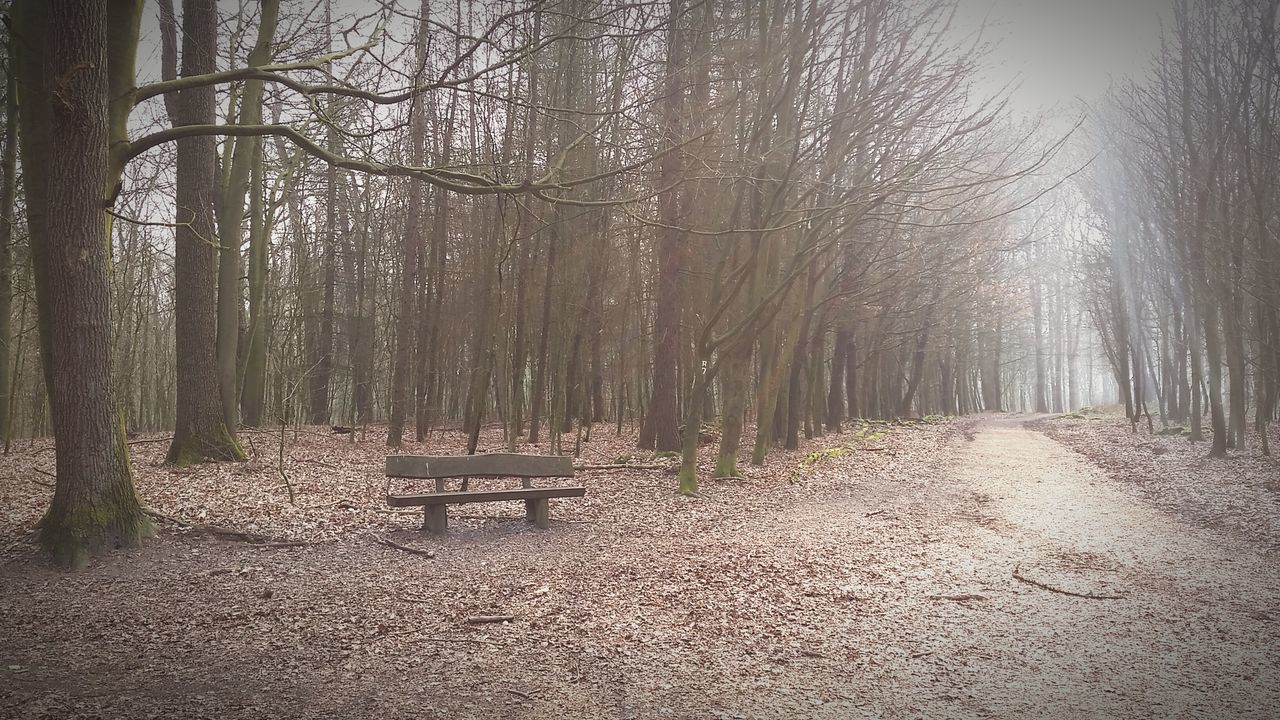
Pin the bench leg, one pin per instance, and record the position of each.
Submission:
(538, 512)
(436, 520)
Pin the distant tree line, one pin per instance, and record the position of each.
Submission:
(1184, 279)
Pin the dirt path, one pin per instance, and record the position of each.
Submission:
(1194, 635)
(884, 592)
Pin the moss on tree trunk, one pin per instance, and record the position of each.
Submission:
(213, 445)
(66, 123)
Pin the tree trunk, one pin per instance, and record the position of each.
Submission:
(402, 363)
(661, 422)
(246, 176)
(65, 130)
(1213, 352)
(835, 393)
(8, 188)
(202, 433)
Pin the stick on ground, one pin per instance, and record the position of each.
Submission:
(1017, 575)
(484, 619)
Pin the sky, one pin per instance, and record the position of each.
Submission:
(1064, 51)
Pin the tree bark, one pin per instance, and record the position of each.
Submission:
(65, 136)
(202, 433)
(246, 176)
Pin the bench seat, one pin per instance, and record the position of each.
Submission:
(457, 498)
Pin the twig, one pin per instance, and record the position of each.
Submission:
(429, 554)
(653, 466)
(814, 654)
(875, 513)
(288, 483)
(485, 619)
(1017, 575)
(255, 539)
(524, 695)
(957, 598)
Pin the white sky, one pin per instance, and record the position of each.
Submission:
(1062, 50)
(1066, 50)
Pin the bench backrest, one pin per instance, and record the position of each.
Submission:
(487, 465)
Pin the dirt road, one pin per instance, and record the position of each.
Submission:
(887, 590)
(1184, 622)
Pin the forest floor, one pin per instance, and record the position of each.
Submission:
(974, 568)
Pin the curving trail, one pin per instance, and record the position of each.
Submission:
(1181, 622)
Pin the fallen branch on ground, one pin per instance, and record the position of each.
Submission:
(654, 466)
(255, 539)
(429, 554)
(484, 619)
(1017, 575)
(957, 598)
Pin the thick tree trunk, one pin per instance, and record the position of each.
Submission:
(202, 433)
(64, 127)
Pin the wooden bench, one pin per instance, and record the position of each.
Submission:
(442, 468)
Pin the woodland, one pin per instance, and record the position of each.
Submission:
(802, 296)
